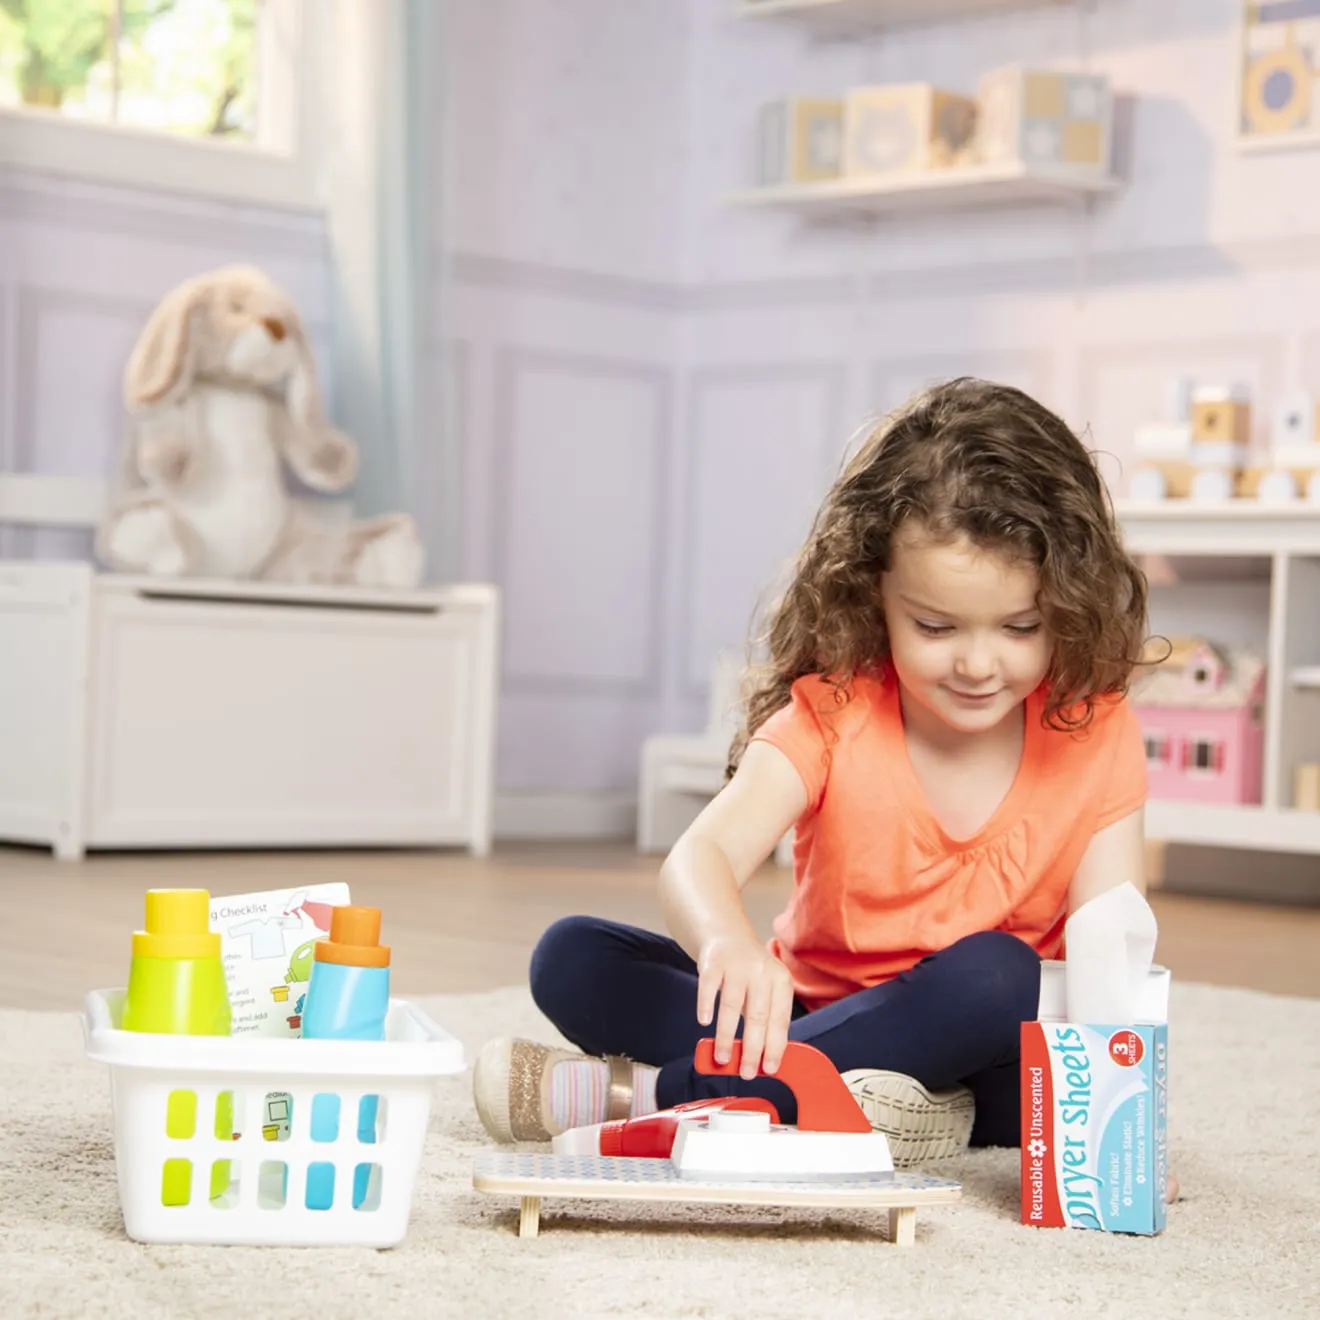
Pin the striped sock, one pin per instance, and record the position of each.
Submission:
(579, 1088)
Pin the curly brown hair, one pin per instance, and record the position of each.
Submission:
(966, 458)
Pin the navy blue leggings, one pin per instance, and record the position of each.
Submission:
(953, 1018)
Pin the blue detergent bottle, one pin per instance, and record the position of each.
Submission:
(348, 997)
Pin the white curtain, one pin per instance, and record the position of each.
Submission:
(384, 103)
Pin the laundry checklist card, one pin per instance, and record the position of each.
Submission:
(267, 942)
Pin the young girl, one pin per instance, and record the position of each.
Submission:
(942, 719)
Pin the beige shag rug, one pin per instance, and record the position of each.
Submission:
(1244, 1241)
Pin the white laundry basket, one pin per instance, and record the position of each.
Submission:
(265, 1201)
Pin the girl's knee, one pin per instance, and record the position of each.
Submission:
(1007, 972)
(560, 954)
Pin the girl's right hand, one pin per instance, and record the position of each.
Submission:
(753, 985)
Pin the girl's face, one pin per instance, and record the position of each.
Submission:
(965, 633)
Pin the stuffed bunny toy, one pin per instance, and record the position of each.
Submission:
(222, 394)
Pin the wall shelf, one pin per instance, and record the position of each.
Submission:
(1259, 829)
(1232, 511)
(1286, 541)
(978, 185)
(1229, 529)
(846, 17)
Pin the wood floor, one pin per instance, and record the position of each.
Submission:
(458, 923)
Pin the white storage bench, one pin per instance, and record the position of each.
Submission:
(143, 713)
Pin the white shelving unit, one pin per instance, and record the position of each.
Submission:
(1278, 550)
(845, 17)
(974, 186)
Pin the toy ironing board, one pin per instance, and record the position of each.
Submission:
(737, 1157)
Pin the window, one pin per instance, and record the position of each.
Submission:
(1204, 756)
(175, 67)
(200, 95)
(1157, 749)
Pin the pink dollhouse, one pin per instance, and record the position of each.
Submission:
(1201, 711)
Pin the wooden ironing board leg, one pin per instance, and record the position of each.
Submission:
(903, 1225)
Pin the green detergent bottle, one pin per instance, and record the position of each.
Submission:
(176, 986)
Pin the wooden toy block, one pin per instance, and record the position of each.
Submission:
(907, 128)
(1268, 485)
(533, 1177)
(1296, 458)
(1220, 417)
(1295, 421)
(1200, 450)
(1212, 485)
(801, 140)
(1168, 479)
(1148, 486)
(1178, 391)
(1045, 117)
(1164, 440)
(1218, 456)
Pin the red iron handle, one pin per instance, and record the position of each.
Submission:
(824, 1102)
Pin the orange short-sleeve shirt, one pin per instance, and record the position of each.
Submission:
(878, 882)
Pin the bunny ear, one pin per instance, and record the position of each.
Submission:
(304, 393)
(158, 360)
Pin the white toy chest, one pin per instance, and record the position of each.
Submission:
(265, 1202)
(146, 713)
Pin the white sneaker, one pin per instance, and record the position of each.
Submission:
(921, 1125)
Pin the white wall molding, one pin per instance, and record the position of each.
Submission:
(35, 501)
(33, 303)
(8, 377)
(565, 815)
(442, 475)
(1281, 252)
(10, 537)
(1064, 271)
(832, 377)
(1307, 363)
(32, 197)
(480, 270)
(511, 364)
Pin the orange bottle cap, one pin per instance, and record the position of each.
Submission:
(178, 926)
(354, 939)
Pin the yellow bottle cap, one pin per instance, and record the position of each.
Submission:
(178, 926)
